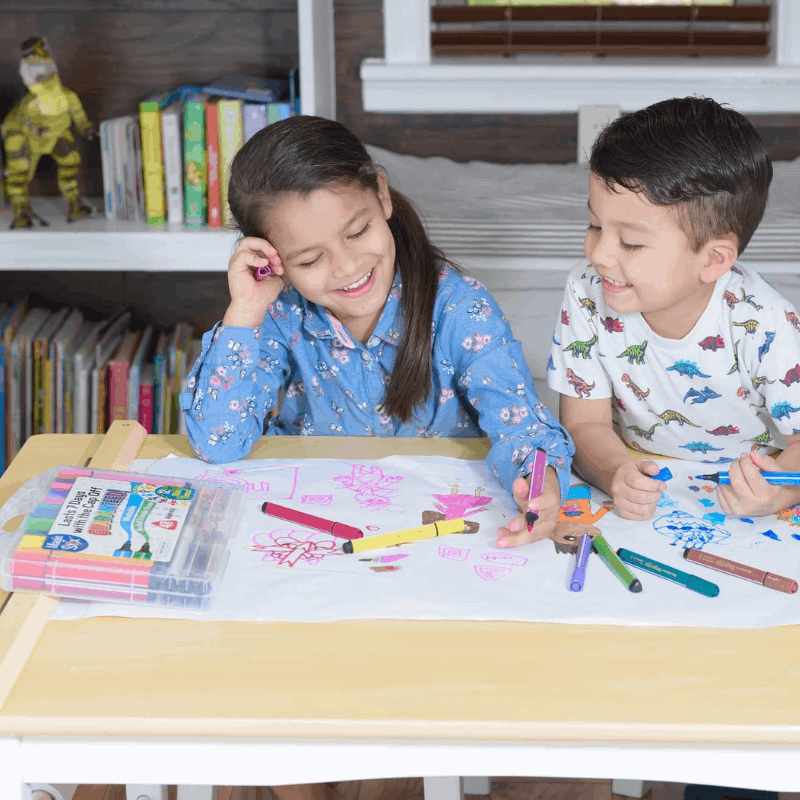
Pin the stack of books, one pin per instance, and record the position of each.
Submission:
(170, 163)
(64, 373)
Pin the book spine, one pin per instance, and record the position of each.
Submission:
(15, 403)
(194, 163)
(173, 170)
(231, 133)
(108, 171)
(38, 390)
(159, 392)
(118, 156)
(102, 397)
(117, 390)
(141, 213)
(146, 406)
(255, 118)
(212, 146)
(153, 166)
(273, 113)
(284, 110)
(46, 395)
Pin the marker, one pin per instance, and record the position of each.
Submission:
(537, 484)
(310, 521)
(669, 573)
(442, 528)
(262, 273)
(768, 579)
(774, 478)
(579, 573)
(662, 475)
(603, 549)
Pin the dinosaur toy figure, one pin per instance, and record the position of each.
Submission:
(41, 124)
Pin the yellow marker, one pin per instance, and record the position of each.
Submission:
(408, 535)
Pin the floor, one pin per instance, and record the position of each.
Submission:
(411, 789)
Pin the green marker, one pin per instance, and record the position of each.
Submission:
(669, 573)
(603, 549)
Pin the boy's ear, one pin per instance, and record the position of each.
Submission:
(384, 197)
(720, 255)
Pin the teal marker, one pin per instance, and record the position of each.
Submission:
(669, 573)
(603, 549)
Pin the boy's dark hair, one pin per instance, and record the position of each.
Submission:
(706, 161)
(305, 153)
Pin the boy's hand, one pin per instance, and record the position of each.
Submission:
(635, 494)
(250, 298)
(548, 504)
(748, 494)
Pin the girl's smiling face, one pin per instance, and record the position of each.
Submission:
(337, 250)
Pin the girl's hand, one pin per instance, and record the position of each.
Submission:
(549, 503)
(250, 298)
(748, 494)
(633, 490)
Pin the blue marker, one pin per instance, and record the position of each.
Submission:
(662, 475)
(774, 478)
(579, 573)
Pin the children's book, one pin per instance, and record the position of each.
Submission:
(247, 87)
(43, 388)
(255, 118)
(60, 345)
(192, 354)
(231, 135)
(118, 375)
(82, 360)
(146, 397)
(195, 178)
(278, 111)
(133, 157)
(107, 166)
(171, 141)
(102, 534)
(152, 163)
(294, 91)
(21, 379)
(109, 341)
(135, 371)
(9, 324)
(177, 356)
(160, 405)
(212, 149)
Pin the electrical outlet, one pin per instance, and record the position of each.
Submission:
(591, 120)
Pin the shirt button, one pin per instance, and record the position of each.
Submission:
(377, 408)
(372, 342)
(366, 356)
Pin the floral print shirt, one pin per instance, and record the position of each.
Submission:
(303, 362)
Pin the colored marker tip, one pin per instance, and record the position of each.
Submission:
(636, 586)
(530, 518)
(575, 586)
(714, 478)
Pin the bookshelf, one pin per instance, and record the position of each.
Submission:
(98, 244)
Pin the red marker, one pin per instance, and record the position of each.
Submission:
(537, 484)
(310, 521)
(262, 273)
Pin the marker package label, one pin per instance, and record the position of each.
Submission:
(121, 536)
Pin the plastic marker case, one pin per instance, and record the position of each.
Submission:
(98, 534)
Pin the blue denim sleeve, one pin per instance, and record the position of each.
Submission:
(493, 378)
(231, 389)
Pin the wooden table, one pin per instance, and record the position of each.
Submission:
(112, 700)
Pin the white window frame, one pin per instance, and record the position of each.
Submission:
(409, 80)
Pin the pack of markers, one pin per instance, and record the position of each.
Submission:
(98, 534)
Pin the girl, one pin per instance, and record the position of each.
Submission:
(362, 327)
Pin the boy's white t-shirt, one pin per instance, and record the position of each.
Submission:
(731, 384)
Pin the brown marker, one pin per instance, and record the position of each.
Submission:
(768, 579)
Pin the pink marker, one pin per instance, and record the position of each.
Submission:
(311, 521)
(262, 273)
(537, 484)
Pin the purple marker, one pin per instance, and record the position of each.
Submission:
(262, 273)
(579, 573)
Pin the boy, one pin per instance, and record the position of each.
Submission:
(666, 345)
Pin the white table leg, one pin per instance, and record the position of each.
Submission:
(477, 784)
(53, 791)
(195, 792)
(11, 784)
(630, 788)
(139, 791)
(448, 788)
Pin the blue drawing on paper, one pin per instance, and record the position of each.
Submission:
(665, 501)
(704, 501)
(771, 535)
(688, 530)
(715, 518)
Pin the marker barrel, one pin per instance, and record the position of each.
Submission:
(311, 521)
(603, 549)
(582, 559)
(442, 528)
(669, 573)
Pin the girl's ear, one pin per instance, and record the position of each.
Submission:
(384, 197)
(720, 255)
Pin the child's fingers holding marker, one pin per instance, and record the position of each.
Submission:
(517, 533)
(635, 491)
(255, 279)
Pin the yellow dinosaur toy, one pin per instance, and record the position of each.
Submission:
(41, 124)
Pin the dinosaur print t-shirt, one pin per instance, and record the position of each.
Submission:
(731, 384)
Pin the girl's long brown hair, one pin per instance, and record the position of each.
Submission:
(302, 154)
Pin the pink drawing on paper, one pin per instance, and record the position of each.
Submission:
(372, 488)
(237, 476)
(289, 546)
(317, 499)
(492, 573)
(453, 553)
(509, 559)
(455, 505)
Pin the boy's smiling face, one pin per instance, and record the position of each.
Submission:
(646, 263)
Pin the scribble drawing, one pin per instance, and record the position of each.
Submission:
(688, 530)
(453, 553)
(509, 559)
(715, 517)
(577, 506)
(237, 476)
(492, 573)
(791, 515)
(290, 546)
(230, 478)
(317, 499)
(667, 502)
(372, 488)
(455, 505)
